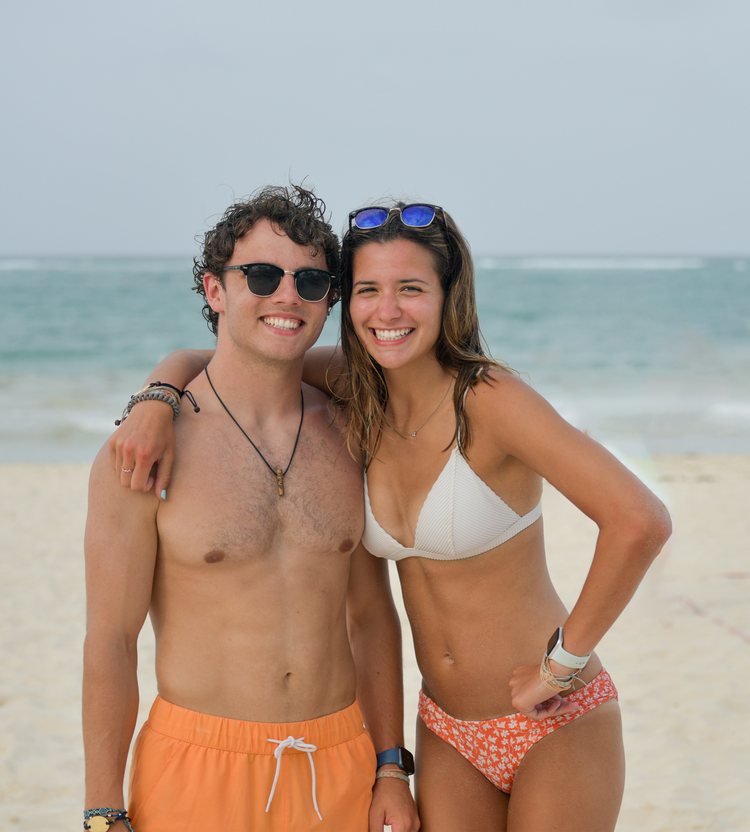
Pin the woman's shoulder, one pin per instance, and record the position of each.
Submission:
(503, 402)
(498, 386)
(323, 368)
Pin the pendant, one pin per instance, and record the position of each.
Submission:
(98, 823)
(280, 481)
(414, 434)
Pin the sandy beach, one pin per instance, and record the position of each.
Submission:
(680, 654)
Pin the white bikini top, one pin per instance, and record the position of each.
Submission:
(460, 517)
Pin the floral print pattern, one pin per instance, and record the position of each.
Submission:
(497, 746)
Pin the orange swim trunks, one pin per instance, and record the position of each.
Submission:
(196, 773)
(497, 746)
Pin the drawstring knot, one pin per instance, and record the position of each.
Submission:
(299, 745)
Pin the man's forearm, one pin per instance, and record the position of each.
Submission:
(376, 646)
(110, 710)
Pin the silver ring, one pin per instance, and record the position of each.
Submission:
(127, 470)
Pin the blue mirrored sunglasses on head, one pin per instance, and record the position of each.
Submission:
(263, 279)
(417, 215)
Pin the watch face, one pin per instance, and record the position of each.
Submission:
(407, 760)
(554, 641)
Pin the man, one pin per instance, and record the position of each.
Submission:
(252, 573)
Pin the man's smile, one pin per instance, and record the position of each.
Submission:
(282, 323)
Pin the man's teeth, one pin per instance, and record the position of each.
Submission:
(282, 323)
(391, 334)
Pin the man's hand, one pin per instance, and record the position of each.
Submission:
(143, 442)
(533, 699)
(393, 805)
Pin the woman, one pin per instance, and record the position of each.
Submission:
(457, 447)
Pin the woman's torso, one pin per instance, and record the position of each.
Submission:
(474, 619)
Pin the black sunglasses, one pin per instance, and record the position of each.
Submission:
(418, 215)
(263, 279)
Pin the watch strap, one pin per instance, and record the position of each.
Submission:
(398, 756)
(559, 654)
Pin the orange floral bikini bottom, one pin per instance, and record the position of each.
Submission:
(497, 746)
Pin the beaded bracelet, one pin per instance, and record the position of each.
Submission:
(108, 817)
(556, 682)
(396, 775)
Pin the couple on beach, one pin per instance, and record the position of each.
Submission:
(259, 546)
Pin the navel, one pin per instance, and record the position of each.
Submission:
(449, 658)
(216, 556)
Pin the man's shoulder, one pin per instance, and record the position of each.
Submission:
(102, 468)
(106, 492)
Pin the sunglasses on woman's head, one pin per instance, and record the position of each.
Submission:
(417, 215)
(263, 279)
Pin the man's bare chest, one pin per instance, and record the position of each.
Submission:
(224, 502)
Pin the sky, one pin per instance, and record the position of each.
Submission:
(544, 127)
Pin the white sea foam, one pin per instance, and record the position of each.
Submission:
(19, 265)
(606, 264)
(731, 410)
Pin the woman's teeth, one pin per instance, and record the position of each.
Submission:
(391, 334)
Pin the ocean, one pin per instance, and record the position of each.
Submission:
(648, 354)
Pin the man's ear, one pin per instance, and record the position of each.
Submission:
(214, 292)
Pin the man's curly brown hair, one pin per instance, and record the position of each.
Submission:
(295, 210)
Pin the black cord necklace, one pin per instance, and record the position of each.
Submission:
(278, 473)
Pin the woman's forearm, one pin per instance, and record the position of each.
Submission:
(180, 367)
(623, 555)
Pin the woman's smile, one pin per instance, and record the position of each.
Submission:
(392, 334)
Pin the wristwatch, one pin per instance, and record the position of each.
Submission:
(401, 756)
(558, 653)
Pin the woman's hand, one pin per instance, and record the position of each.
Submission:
(142, 449)
(533, 699)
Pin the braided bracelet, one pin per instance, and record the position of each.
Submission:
(159, 391)
(157, 394)
(396, 775)
(103, 818)
(556, 682)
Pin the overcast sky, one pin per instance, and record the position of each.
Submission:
(543, 126)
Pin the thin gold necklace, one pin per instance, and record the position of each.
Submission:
(433, 412)
(278, 473)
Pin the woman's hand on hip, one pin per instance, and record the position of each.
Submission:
(533, 699)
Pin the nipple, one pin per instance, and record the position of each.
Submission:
(215, 556)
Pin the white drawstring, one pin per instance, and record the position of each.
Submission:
(300, 745)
